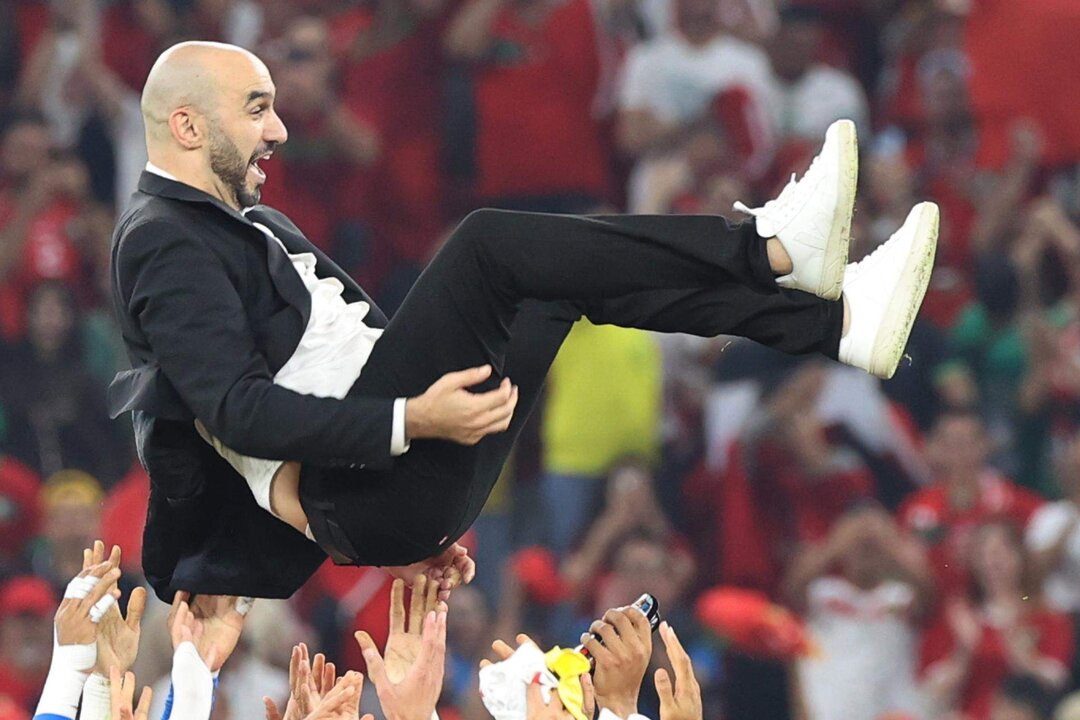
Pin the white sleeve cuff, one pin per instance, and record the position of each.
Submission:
(193, 684)
(96, 699)
(64, 684)
(398, 445)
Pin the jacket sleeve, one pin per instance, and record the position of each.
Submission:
(179, 294)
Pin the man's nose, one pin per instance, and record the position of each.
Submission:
(275, 130)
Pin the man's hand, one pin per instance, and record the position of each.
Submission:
(342, 702)
(449, 411)
(447, 570)
(621, 659)
(222, 621)
(404, 641)
(683, 702)
(122, 692)
(537, 709)
(118, 638)
(414, 696)
(309, 682)
(74, 621)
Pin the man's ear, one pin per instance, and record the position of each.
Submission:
(187, 128)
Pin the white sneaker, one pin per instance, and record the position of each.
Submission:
(812, 217)
(884, 292)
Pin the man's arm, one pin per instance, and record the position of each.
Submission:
(184, 302)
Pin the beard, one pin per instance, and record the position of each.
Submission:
(228, 163)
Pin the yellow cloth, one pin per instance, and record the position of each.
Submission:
(569, 666)
(603, 400)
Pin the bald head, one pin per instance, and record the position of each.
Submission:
(192, 74)
(209, 117)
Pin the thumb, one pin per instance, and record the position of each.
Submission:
(376, 668)
(136, 606)
(663, 687)
(467, 378)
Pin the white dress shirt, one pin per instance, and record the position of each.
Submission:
(326, 363)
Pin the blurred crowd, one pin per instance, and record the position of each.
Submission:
(924, 533)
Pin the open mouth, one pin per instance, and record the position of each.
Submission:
(258, 171)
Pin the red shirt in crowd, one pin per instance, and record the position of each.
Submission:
(947, 529)
(1051, 633)
(536, 133)
(20, 505)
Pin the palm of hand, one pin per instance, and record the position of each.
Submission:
(401, 652)
(222, 625)
(117, 643)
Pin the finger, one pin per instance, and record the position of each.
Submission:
(294, 668)
(87, 559)
(114, 555)
(99, 552)
(491, 399)
(464, 378)
(433, 640)
(416, 604)
(272, 712)
(108, 579)
(588, 703)
(607, 633)
(598, 651)
(329, 675)
(627, 632)
(639, 621)
(375, 666)
(664, 689)
(468, 569)
(397, 606)
(136, 607)
(146, 698)
(680, 661)
(484, 663)
(533, 699)
(502, 649)
(129, 688)
(318, 667)
(522, 638)
(431, 597)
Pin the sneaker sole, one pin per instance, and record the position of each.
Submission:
(836, 249)
(892, 337)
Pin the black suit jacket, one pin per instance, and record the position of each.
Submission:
(210, 308)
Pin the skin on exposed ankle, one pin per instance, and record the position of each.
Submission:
(779, 260)
(285, 496)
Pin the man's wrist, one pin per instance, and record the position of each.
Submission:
(415, 419)
(624, 707)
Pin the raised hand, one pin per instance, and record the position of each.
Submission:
(537, 709)
(683, 700)
(621, 659)
(118, 637)
(122, 692)
(450, 568)
(76, 619)
(342, 702)
(414, 696)
(309, 682)
(222, 621)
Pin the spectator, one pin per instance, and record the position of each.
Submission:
(600, 372)
(1053, 537)
(71, 521)
(966, 492)
(863, 592)
(20, 513)
(670, 84)
(535, 72)
(27, 604)
(1001, 628)
(56, 410)
(806, 94)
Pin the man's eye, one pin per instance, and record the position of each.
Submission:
(258, 111)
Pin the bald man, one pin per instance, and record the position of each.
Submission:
(281, 418)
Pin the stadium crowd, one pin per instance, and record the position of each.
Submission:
(829, 546)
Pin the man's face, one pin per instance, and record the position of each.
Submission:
(958, 446)
(24, 149)
(243, 129)
(696, 14)
(795, 49)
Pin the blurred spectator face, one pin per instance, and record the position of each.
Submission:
(27, 605)
(890, 181)
(468, 623)
(640, 565)
(866, 565)
(24, 150)
(303, 66)
(943, 82)
(72, 501)
(50, 319)
(997, 558)
(958, 446)
(796, 48)
(696, 16)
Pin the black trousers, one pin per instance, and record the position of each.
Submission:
(504, 290)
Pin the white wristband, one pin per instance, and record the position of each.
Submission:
(96, 699)
(193, 684)
(71, 665)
